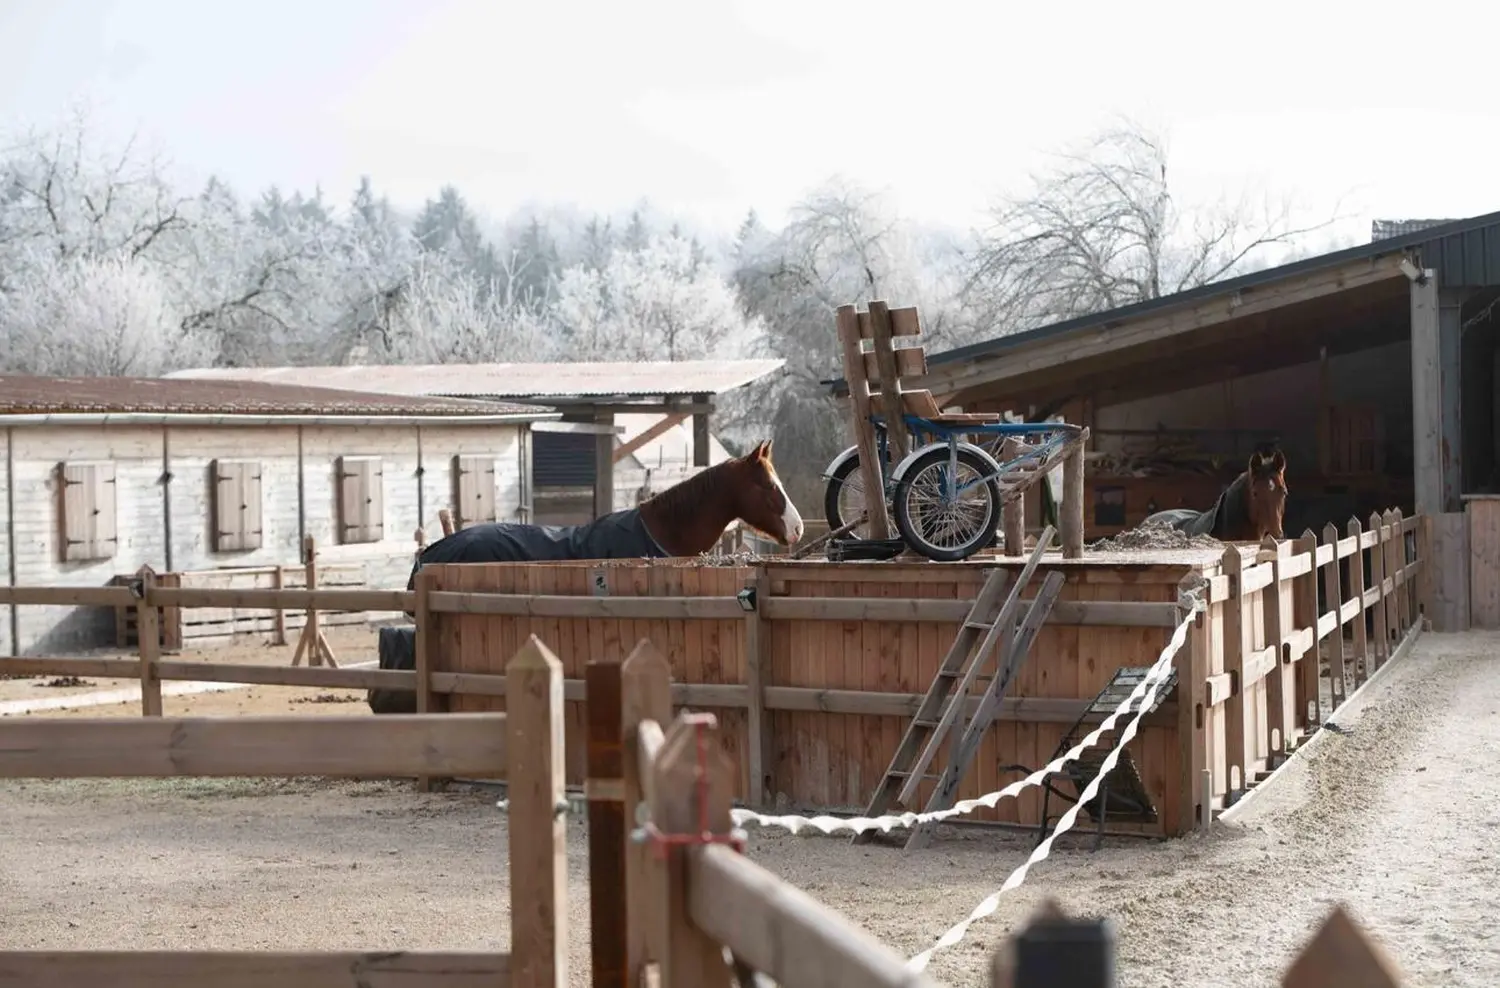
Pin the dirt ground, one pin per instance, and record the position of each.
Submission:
(1397, 815)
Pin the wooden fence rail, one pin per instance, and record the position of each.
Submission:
(525, 742)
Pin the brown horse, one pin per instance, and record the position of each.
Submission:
(1248, 510)
(684, 520)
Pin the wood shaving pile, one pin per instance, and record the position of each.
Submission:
(1156, 535)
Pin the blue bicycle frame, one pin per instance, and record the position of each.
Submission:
(921, 429)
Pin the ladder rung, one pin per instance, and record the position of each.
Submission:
(925, 723)
(906, 775)
(978, 624)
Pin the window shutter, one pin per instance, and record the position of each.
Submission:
(88, 511)
(475, 483)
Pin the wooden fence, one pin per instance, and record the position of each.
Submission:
(1269, 659)
(1247, 680)
(526, 741)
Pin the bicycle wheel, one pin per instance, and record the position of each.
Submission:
(844, 497)
(940, 526)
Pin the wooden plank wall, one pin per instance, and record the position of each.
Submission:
(1484, 559)
(831, 760)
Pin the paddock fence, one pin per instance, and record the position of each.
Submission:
(803, 650)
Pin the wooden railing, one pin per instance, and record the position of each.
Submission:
(1274, 620)
(525, 742)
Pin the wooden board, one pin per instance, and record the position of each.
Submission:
(1450, 572)
(815, 758)
(1484, 561)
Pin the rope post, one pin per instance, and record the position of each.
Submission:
(690, 798)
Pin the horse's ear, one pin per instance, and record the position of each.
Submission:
(1278, 462)
(1260, 464)
(765, 450)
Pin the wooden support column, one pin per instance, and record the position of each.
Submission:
(700, 433)
(1450, 368)
(1426, 397)
(1070, 517)
(604, 465)
(1013, 513)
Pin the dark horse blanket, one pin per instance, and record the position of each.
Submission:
(621, 535)
(1215, 521)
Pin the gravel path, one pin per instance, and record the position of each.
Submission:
(1399, 819)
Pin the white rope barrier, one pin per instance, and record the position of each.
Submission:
(1065, 823)
(859, 824)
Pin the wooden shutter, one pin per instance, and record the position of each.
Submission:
(361, 481)
(88, 511)
(236, 505)
(474, 482)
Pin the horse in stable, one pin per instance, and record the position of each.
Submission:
(1250, 508)
(686, 519)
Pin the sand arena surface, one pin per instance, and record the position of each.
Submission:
(1399, 818)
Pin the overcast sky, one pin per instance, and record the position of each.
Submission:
(709, 107)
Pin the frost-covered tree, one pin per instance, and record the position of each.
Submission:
(658, 302)
(83, 314)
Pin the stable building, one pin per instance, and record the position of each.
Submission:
(103, 476)
(629, 418)
(1373, 368)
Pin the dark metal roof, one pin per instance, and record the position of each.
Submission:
(1464, 253)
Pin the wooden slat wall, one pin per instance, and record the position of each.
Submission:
(474, 495)
(88, 511)
(822, 760)
(1484, 560)
(237, 505)
(361, 499)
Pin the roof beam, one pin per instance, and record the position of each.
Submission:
(661, 428)
(946, 380)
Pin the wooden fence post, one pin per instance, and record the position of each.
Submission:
(1191, 661)
(1071, 520)
(1395, 565)
(1276, 603)
(1305, 615)
(1235, 643)
(690, 790)
(534, 778)
(645, 695)
(312, 643)
(422, 616)
(1013, 512)
(278, 616)
(1377, 582)
(1425, 582)
(1333, 598)
(148, 646)
(757, 666)
(604, 789)
(1361, 617)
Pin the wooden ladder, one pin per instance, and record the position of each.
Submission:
(987, 623)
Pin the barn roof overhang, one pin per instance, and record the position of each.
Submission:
(1248, 319)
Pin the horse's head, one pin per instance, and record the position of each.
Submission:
(760, 499)
(1267, 493)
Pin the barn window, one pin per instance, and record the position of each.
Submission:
(88, 511)
(236, 505)
(361, 487)
(474, 489)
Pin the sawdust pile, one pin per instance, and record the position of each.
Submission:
(1156, 535)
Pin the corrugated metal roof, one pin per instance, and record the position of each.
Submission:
(517, 380)
(28, 395)
(1386, 229)
(1464, 254)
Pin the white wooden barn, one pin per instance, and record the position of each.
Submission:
(652, 409)
(104, 475)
